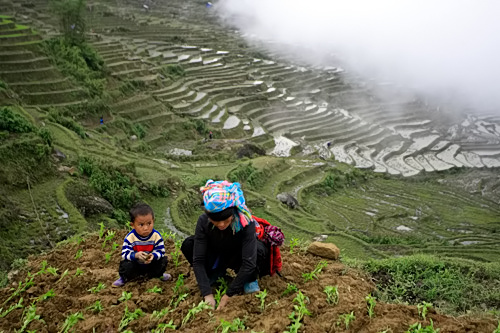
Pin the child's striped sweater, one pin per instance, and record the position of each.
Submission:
(151, 244)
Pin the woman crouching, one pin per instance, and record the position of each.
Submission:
(225, 239)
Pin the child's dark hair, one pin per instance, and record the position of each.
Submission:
(141, 209)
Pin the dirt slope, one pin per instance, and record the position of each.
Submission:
(72, 295)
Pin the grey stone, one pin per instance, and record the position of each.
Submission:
(288, 200)
(133, 137)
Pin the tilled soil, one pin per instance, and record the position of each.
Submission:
(72, 295)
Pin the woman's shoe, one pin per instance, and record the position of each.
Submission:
(251, 287)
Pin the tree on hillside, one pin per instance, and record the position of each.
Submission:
(71, 15)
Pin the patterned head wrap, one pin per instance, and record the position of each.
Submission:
(220, 195)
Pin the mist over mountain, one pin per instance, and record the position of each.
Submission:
(445, 48)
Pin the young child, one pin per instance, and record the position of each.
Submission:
(143, 251)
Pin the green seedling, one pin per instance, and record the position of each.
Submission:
(175, 257)
(313, 275)
(79, 240)
(300, 310)
(262, 297)
(417, 328)
(290, 288)
(43, 267)
(12, 308)
(155, 289)
(195, 310)
(79, 271)
(423, 309)
(63, 275)
(161, 328)
(234, 326)
(47, 295)
(107, 257)
(29, 315)
(125, 296)
(52, 270)
(110, 235)
(78, 254)
(294, 242)
(114, 246)
(21, 287)
(371, 302)
(96, 307)
(128, 317)
(98, 288)
(332, 294)
(177, 244)
(160, 314)
(179, 287)
(71, 321)
(497, 330)
(347, 318)
(101, 230)
(179, 299)
(221, 291)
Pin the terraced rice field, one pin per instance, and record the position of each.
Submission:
(249, 94)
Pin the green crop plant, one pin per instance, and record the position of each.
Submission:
(18, 305)
(29, 315)
(161, 328)
(125, 296)
(43, 268)
(21, 287)
(52, 270)
(47, 295)
(195, 310)
(128, 317)
(313, 275)
(63, 275)
(262, 297)
(96, 307)
(371, 302)
(294, 242)
(497, 330)
(98, 288)
(234, 326)
(107, 257)
(417, 328)
(79, 271)
(109, 236)
(78, 254)
(71, 321)
(347, 318)
(114, 246)
(155, 289)
(179, 299)
(423, 308)
(332, 294)
(160, 314)
(179, 287)
(300, 310)
(290, 288)
(175, 257)
(221, 291)
(101, 230)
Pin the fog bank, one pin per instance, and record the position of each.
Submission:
(438, 47)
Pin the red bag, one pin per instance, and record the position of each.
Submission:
(273, 237)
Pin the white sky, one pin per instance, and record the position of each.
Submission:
(433, 45)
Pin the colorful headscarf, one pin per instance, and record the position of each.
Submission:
(220, 195)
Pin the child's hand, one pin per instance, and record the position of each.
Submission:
(141, 256)
(149, 259)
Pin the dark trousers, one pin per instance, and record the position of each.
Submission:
(130, 270)
(216, 266)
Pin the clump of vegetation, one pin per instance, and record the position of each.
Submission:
(67, 122)
(195, 310)
(262, 297)
(155, 290)
(417, 328)
(221, 291)
(371, 302)
(423, 308)
(173, 71)
(130, 86)
(13, 122)
(314, 274)
(71, 321)
(255, 178)
(234, 326)
(290, 288)
(128, 317)
(3, 86)
(96, 307)
(458, 285)
(332, 294)
(98, 288)
(300, 310)
(337, 179)
(347, 318)
(71, 15)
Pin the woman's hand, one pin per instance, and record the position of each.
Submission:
(210, 300)
(223, 302)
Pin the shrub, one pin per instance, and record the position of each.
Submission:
(336, 180)
(13, 122)
(130, 86)
(46, 136)
(67, 122)
(173, 71)
(71, 15)
(3, 85)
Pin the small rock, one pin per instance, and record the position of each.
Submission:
(133, 137)
(324, 250)
(59, 154)
(320, 238)
(288, 200)
(88, 135)
(297, 266)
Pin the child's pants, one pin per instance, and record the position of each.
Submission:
(130, 270)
